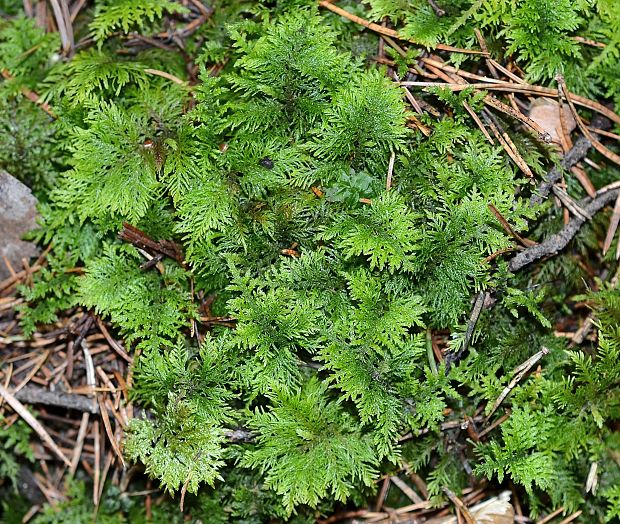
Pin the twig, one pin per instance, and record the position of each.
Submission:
(609, 187)
(478, 122)
(37, 395)
(414, 103)
(592, 478)
(437, 70)
(104, 473)
(438, 10)
(406, 489)
(108, 429)
(140, 239)
(7, 380)
(507, 72)
(429, 351)
(152, 261)
(603, 132)
(570, 204)
(574, 155)
(426, 504)
(388, 183)
(613, 226)
(224, 321)
(588, 41)
(345, 515)
(483, 46)
(28, 10)
(551, 516)
(86, 325)
(584, 179)
(79, 444)
(97, 466)
(387, 31)
(527, 89)
(558, 241)
(31, 95)
(507, 143)
(565, 129)
(453, 358)
(90, 368)
(31, 513)
(63, 21)
(508, 228)
(417, 480)
(610, 155)
(113, 343)
(167, 76)
(75, 9)
(460, 505)
(488, 100)
(21, 410)
(184, 491)
(32, 372)
(490, 428)
(385, 486)
(500, 106)
(519, 372)
(13, 279)
(572, 517)
(139, 39)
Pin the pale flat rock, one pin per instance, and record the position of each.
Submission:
(18, 214)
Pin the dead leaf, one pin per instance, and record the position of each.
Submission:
(546, 113)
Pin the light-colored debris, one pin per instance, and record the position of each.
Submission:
(546, 113)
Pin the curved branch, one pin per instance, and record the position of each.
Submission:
(560, 240)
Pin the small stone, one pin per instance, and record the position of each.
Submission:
(18, 214)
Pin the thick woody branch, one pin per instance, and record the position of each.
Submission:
(558, 241)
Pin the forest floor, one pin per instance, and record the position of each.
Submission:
(70, 381)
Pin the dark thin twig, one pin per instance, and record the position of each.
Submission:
(83, 331)
(140, 239)
(508, 228)
(438, 10)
